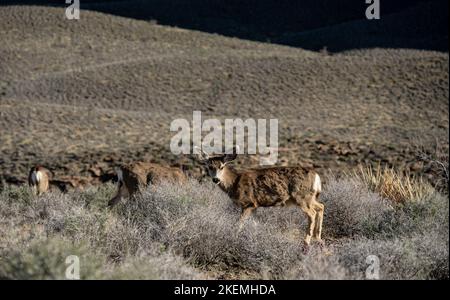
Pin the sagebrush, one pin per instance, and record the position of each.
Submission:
(191, 232)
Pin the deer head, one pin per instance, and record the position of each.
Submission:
(216, 164)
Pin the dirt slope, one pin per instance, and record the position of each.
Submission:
(81, 96)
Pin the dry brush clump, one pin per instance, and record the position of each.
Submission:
(199, 222)
(435, 160)
(317, 265)
(37, 234)
(417, 256)
(411, 241)
(351, 209)
(186, 231)
(398, 187)
(46, 259)
(410, 237)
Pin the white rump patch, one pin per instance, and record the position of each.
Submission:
(317, 186)
(38, 176)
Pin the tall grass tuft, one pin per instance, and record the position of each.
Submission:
(392, 184)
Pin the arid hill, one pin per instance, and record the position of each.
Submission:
(82, 96)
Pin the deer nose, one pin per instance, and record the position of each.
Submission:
(216, 180)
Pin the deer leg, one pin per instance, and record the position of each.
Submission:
(40, 189)
(120, 193)
(311, 215)
(33, 190)
(43, 187)
(319, 207)
(246, 212)
(116, 199)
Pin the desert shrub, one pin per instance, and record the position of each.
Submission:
(317, 265)
(210, 236)
(46, 259)
(96, 197)
(173, 231)
(351, 209)
(199, 222)
(290, 219)
(421, 256)
(418, 256)
(17, 196)
(68, 216)
(435, 161)
(35, 235)
(429, 215)
(155, 208)
(14, 200)
(154, 265)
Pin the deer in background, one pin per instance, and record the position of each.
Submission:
(39, 180)
(276, 186)
(132, 177)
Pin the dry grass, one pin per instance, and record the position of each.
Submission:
(191, 232)
(351, 209)
(37, 234)
(392, 184)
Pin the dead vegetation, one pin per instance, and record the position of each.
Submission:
(398, 187)
(191, 231)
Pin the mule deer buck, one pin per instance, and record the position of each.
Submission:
(275, 186)
(39, 180)
(132, 177)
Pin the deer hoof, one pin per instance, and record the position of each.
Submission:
(305, 247)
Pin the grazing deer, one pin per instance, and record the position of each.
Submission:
(39, 180)
(134, 176)
(276, 186)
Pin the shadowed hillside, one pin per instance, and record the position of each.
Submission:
(419, 24)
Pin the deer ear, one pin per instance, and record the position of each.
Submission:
(201, 155)
(232, 156)
(229, 157)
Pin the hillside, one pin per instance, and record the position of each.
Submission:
(365, 103)
(81, 96)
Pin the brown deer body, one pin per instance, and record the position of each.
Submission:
(277, 186)
(132, 177)
(39, 180)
